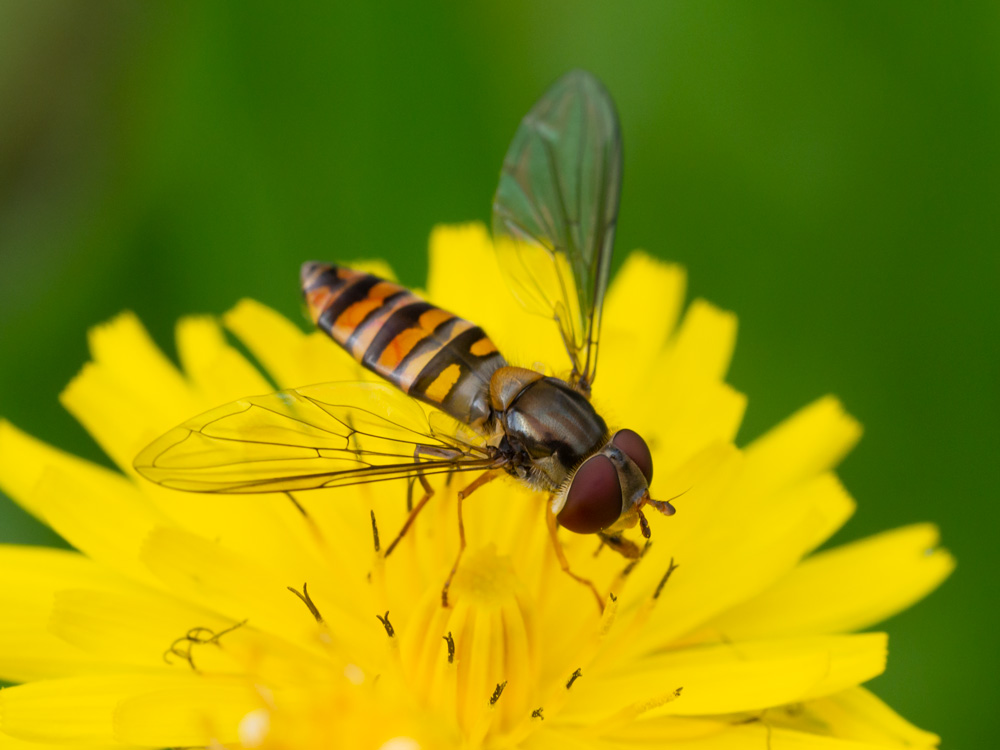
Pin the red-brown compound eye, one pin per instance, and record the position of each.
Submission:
(594, 500)
(633, 446)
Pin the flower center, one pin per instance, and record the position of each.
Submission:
(477, 660)
(485, 579)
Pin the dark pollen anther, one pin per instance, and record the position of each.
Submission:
(375, 532)
(451, 647)
(386, 624)
(573, 677)
(537, 714)
(307, 600)
(498, 692)
(666, 577)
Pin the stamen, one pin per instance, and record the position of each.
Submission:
(498, 692)
(197, 636)
(666, 577)
(375, 532)
(386, 624)
(574, 677)
(307, 600)
(451, 647)
(537, 714)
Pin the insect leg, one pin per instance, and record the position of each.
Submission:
(550, 519)
(486, 476)
(620, 544)
(461, 550)
(409, 494)
(428, 494)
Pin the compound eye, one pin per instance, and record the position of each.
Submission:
(633, 446)
(594, 500)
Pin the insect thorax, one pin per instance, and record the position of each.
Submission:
(549, 428)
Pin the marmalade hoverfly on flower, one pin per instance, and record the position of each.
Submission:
(554, 218)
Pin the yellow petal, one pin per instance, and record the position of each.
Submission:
(274, 340)
(680, 404)
(216, 370)
(10, 743)
(129, 627)
(717, 571)
(156, 632)
(463, 277)
(124, 349)
(217, 578)
(24, 460)
(546, 739)
(846, 588)
(128, 392)
(77, 709)
(754, 732)
(703, 346)
(642, 307)
(857, 714)
(29, 580)
(454, 251)
(675, 429)
(813, 440)
(255, 589)
(731, 678)
(291, 357)
(199, 712)
(80, 511)
(772, 728)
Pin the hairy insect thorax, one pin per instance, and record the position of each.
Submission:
(549, 428)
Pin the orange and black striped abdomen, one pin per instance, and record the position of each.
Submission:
(425, 351)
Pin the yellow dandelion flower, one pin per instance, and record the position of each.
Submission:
(240, 621)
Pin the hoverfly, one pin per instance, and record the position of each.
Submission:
(554, 217)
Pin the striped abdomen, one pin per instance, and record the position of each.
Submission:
(423, 350)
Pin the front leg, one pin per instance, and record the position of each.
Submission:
(621, 545)
(550, 519)
(486, 476)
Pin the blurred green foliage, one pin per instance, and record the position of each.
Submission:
(828, 170)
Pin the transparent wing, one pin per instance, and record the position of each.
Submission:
(555, 211)
(307, 438)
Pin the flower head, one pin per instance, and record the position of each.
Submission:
(253, 621)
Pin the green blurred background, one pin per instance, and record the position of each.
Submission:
(828, 170)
